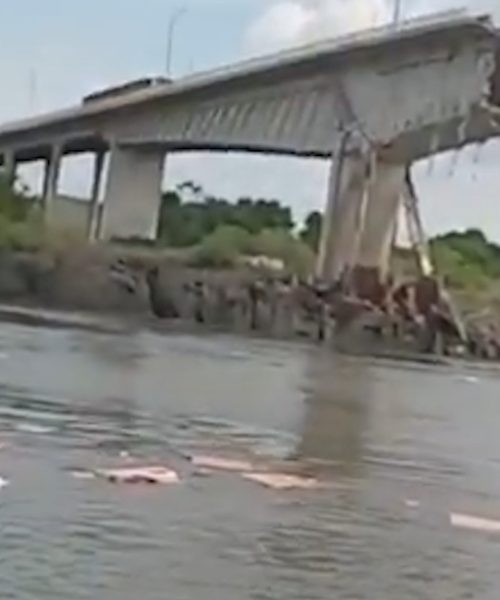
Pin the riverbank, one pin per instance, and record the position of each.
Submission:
(146, 285)
(123, 287)
(466, 370)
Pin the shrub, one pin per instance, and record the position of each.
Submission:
(222, 247)
(277, 243)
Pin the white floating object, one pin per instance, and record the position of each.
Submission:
(3, 482)
(412, 503)
(222, 464)
(83, 475)
(474, 523)
(281, 481)
(34, 428)
(471, 379)
(157, 475)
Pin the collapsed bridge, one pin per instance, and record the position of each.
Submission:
(372, 103)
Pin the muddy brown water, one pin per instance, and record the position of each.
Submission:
(378, 435)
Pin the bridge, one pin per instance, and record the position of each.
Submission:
(371, 103)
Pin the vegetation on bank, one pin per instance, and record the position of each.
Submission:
(212, 232)
(220, 232)
(20, 226)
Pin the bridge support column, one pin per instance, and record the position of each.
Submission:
(133, 193)
(364, 199)
(93, 225)
(384, 196)
(51, 180)
(343, 213)
(45, 179)
(9, 166)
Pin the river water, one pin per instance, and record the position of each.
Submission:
(397, 448)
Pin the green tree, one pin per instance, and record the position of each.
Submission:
(15, 203)
(311, 231)
(468, 258)
(222, 247)
(186, 223)
(278, 243)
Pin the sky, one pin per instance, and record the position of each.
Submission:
(55, 51)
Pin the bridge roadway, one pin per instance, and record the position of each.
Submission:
(372, 103)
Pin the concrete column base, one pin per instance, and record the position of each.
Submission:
(367, 283)
(133, 194)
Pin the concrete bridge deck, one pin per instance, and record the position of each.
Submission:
(279, 103)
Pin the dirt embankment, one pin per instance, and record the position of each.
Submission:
(131, 285)
(72, 280)
(120, 281)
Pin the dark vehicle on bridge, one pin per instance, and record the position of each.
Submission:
(130, 87)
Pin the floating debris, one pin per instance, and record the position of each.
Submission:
(3, 482)
(409, 503)
(222, 464)
(282, 481)
(470, 379)
(475, 523)
(157, 475)
(34, 428)
(132, 475)
(83, 474)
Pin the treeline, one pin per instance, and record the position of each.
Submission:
(467, 259)
(186, 223)
(15, 202)
(221, 230)
(20, 224)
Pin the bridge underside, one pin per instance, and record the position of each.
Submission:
(479, 127)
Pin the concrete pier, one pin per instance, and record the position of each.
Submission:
(51, 183)
(9, 166)
(133, 193)
(93, 226)
(342, 216)
(384, 196)
(363, 203)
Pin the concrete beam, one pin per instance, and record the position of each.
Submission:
(415, 228)
(133, 193)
